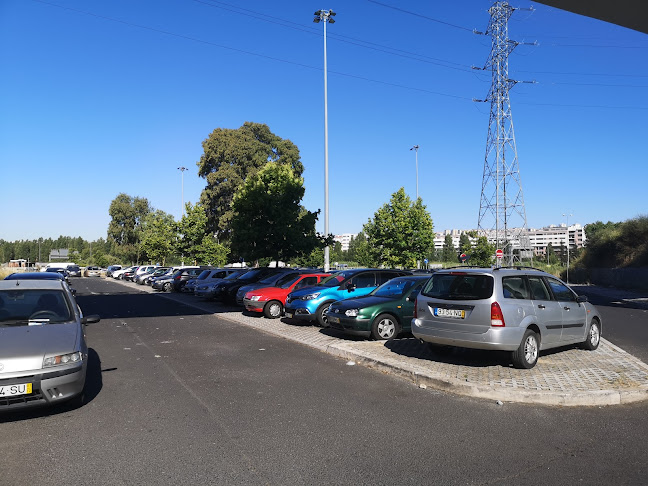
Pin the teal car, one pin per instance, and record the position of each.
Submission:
(383, 314)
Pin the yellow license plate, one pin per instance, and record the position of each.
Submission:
(15, 390)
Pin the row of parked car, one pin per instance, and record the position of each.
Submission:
(517, 309)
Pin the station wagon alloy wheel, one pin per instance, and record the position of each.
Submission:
(526, 356)
(593, 336)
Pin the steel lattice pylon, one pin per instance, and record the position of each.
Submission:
(502, 216)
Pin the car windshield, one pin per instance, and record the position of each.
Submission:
(459, 286)
(204, 274)
(335, 280)
(394, 288)
(252, 274)
(287, 280)
(234, 275)
(33, 307)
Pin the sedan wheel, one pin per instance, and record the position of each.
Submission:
(384, 327)
(168, 286)
(273, 309)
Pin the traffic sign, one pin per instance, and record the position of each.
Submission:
(499, 254)
(463, 257)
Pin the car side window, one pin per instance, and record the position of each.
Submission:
(364, 280)
(538, 289)
(514, 288)
(306, 282)
(383, 277)
(560, 290)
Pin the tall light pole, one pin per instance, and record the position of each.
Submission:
(182, 171)
(415, 148)
(325, 16)
(567, 216)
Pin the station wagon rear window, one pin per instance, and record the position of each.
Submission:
(459, 286)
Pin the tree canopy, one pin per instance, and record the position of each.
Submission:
(401, 232)
(127, 215)
(230, 157)
(268, 219)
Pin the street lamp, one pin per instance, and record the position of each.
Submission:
(415, 148)
(182, 171)
(325, 16)
(567, 216)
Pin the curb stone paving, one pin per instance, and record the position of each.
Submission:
(569, 376)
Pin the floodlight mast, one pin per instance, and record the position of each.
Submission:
(325, 16)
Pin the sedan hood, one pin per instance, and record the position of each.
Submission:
(23, 347)
(360, 302)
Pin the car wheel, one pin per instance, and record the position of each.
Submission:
(526, 356)
(384, 328)
(320, 315)
(593, 336)
(168, 287)
(273, 309)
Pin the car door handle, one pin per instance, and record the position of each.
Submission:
(567, 308)
(540, 306)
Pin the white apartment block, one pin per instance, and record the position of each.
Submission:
(345, 239)
(558, 236)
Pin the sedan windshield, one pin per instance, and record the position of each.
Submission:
(334, 280)
(287, 280)
(33, 307)
(394, 288)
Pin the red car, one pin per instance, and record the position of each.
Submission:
(271, 300)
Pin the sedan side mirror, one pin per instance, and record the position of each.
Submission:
(350, 286)
(581, 298)
(90, 319)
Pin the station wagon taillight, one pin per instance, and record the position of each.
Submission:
(497, 318)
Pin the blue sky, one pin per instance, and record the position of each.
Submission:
(103, 97)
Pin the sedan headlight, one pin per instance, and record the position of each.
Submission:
(255, 297)
(62, 359)
(351, 313)
(312, 296)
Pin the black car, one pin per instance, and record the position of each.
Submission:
(226, 291)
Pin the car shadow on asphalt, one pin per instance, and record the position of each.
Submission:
(129, 305)
(93, 386)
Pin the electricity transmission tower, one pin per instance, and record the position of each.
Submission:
(502, 216)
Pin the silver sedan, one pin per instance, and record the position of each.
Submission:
(43, 350)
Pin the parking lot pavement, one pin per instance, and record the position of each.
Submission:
(567, 376)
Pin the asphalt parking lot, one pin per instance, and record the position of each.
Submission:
(566, 376)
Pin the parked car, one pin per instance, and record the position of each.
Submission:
(183, 274)
(92, 272)
(74, 270)
(142, 269)
(129, 274)
(206, 276)
(271, 300)
(119, 274)
(59, 270)
(208, 290)
(520, 310)
(226, 291)
(111, 269)
(311, 304)
(269, 280)
(382, 314)
(144, 279)
(158, 281)
(43, 348)
(36, 276)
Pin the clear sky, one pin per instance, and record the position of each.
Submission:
(103, 97)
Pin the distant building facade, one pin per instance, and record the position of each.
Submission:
(344, 240)
(556, 235)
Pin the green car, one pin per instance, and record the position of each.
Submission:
(382, 314)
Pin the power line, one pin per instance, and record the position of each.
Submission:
(421, 16)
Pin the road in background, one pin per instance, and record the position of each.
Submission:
(179, 396)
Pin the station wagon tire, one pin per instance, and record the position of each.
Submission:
(273, 309)
(168, 287)
(526, 356)
(384, 328)
(593, 336)
(320, 315)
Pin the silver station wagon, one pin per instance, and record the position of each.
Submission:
(521, 310)
(43, 351)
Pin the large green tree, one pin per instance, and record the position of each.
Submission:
(158, 236)
(401, 232)
(449, 253)
(127, 215)
(268, 219)
(230, 157)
